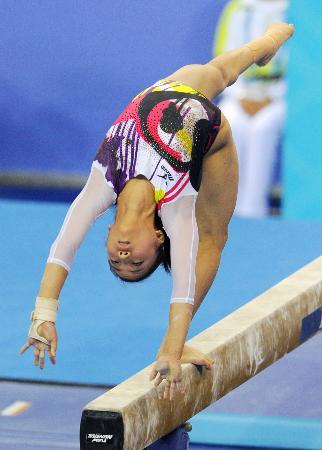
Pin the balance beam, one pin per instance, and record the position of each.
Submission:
(131, 417)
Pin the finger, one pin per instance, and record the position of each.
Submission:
(180, 387)
(160, 392)
(158, 380)
(36, 356)
(210, 364)
(207, 363)
(53, 347)
(166, 390)
(172, 389)
(42, 353)
(24, 348)
(52, 351)
(51, 357)
(42, 358)
(153, 374)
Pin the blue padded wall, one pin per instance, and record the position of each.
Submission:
(69, 68)
(303, 143)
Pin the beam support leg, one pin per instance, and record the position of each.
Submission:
(176, 440)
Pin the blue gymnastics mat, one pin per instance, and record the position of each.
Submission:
(109, 330)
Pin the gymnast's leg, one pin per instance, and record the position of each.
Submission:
(214, 208)
(213, 77)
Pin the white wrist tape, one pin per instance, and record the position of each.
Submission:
(45, 309)
(33, 331)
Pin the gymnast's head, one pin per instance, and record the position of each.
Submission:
(137, 243)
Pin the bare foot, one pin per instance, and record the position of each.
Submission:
(278, 33)
(191, 355)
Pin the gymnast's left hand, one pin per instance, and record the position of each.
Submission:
(167, 370)
(48, 331)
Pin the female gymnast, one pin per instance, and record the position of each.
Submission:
(169, 164)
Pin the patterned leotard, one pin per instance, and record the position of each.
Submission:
(162, 134)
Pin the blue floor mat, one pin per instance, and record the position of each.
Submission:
(109, 330)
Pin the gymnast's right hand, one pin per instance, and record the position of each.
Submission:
(47, 331)
(169, 370)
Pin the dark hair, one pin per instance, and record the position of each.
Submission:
(164, 249)
(163, 255)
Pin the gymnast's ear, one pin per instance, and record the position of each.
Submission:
(160, 236)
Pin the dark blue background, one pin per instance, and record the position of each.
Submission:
(69, 68)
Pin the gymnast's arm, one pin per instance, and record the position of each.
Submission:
(198, 230)
(94, 200)
(180, 224)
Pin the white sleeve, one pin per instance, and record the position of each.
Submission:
(180, 224)
(94, 199)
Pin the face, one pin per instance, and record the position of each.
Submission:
(132, 251)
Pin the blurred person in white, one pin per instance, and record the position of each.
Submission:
(255, 105)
